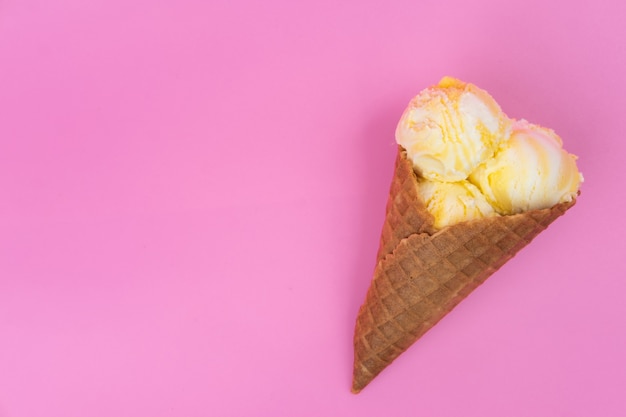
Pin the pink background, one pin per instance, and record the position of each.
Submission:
(191, 195)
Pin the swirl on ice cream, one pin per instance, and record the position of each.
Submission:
(453, 202)
(473, 161)
(531, 170)
(449, 129)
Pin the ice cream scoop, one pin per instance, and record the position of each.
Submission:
(449, 129)
(453, 202)
(531, 170)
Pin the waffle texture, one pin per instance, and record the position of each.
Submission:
(422, 274)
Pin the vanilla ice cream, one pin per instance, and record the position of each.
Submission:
(530, 171)
(473, 161)
(453, 202)
(449, 129)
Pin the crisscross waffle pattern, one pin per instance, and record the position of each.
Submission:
(406, 213)
(421, 276)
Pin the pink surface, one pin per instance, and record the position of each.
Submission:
(191, 195)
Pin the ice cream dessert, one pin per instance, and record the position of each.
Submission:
(453, 202)
(530, 170)
(449, 129)
(471, 187)
(455, 133)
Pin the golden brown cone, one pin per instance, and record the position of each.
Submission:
(422, 274)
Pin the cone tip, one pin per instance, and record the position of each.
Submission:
(359, 382)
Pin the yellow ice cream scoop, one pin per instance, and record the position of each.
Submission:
(453, 202)
(449, 129)
(531, 170)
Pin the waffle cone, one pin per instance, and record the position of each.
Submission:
(423, 273)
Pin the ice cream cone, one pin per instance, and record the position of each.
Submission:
(423, 273)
